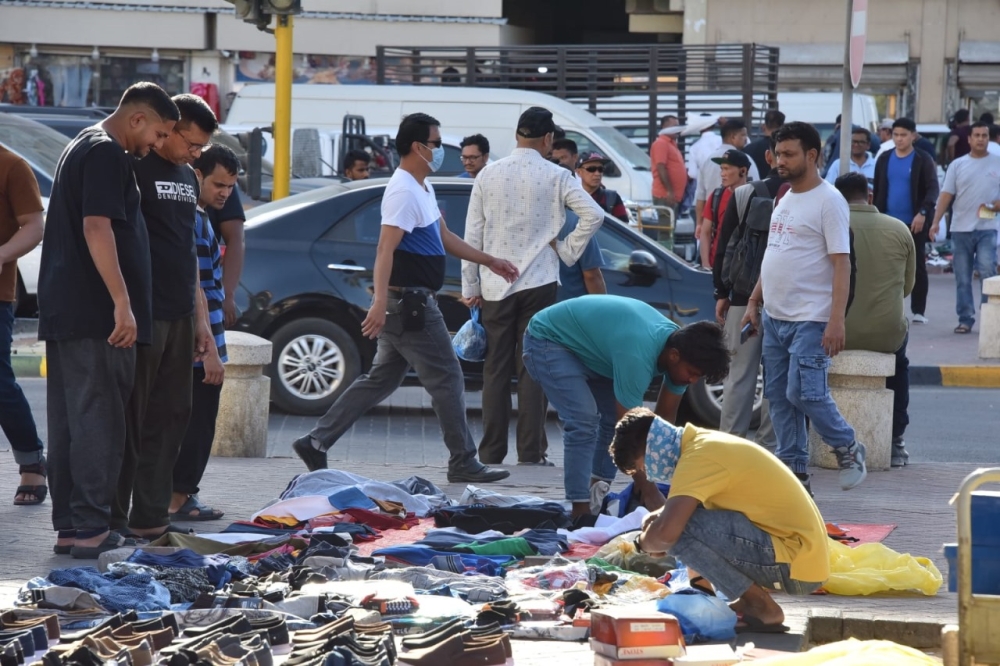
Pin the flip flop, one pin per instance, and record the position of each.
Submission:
(963, 329)
(754, 625)
(40, 492)
(186, 512)
(171, 529)
(112, 541)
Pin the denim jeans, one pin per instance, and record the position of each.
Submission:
(899, 384)
(732, 554)
(585, 402)
(972, 249)
(795, 384)
(15, 414)
(430, 353)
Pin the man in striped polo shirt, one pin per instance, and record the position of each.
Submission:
(216, 169)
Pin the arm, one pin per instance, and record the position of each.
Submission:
(661, 171)
(754, 304)
(591, 217)
(203, 340)
(911, 265)
(25, 239)
(834, 335)
(944, 201)
(215, 371)
(705, 240)
(388, 240)
(662, 531)
(667, 404)
(475, 222)
(232, 267)
(25, 203)
(593, 280)
(104, 251)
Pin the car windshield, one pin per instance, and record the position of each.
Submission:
(35, 142)
(620, 143)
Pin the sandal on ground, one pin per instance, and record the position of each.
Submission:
(963, 329)
(39, 492)
(171, 529)
(749, 624)
(193, 509)
(112, 541)
(64, 550)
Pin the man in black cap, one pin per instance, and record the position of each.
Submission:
(590, 169)
(734, 165)
(518, 206)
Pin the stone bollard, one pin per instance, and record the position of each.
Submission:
(857, 385)
(241, 429)
(989, 320)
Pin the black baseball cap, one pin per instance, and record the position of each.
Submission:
(733, 157)
(535, 123)
(592, 156)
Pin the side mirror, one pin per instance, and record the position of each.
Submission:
(643, 264)
(611, 170)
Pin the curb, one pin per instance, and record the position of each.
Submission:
(967, 376)
(28, 365)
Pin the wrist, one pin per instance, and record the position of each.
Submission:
(636, 543)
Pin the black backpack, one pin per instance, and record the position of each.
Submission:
(745, 250)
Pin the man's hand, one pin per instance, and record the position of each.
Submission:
(215, 372)
(230, 311)
(203, 342)
(374, 322)
(752, 316)
(933, 231)
(125, 331)
(834, 336)
(918, 224)
(721, 310)
(503, 268)
(473, 302)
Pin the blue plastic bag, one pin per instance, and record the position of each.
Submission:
(470, 341)
(702, 618)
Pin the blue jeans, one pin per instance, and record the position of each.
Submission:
(972, 248)
(15, 414)
(585, 402)
(732, 554)
(795, 384)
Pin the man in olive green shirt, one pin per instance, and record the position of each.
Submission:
(886, 262)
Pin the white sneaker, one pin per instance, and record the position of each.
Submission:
(920, 319)
(598, 492)
(851, 460)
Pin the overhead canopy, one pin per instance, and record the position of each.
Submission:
(978, 67)
(821, 66)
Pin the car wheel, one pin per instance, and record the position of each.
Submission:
(706, 401)
(314, 362)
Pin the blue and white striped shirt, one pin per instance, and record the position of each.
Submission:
(210, 276)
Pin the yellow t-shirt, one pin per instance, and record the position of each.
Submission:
(726, 472)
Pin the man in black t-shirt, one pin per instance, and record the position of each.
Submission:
(160, 405)
(94, 299)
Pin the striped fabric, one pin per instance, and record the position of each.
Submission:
(210, 272)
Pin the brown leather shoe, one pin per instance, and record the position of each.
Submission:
(455, 652)
(160, 639)
(10, 620)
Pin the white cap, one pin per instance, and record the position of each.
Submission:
(700, 123)
(676, 129)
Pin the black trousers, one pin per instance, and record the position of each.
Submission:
(918, 298)
(900, 386)
(156, 419)
(196, 448)
(88, 388)
(505, 322)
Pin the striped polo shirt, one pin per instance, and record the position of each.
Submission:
(210, 275)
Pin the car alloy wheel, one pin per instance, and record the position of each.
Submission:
(311, 367)
(715, 392)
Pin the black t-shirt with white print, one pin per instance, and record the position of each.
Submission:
(169, 201)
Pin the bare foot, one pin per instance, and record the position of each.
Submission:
(758, 604)
(149, 533)
(30, 480)
(177, 500)
(580, 509)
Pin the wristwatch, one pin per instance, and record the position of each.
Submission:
(635, 543)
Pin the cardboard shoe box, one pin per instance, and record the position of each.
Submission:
(625, 627)
(658, 653)
(601, 660)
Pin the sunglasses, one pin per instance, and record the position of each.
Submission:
(594, 169)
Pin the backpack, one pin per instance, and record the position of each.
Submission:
(745, 250)
(611, 198)
(713, 211)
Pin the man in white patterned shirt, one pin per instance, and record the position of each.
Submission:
(517, 209)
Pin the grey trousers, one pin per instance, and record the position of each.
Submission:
(740, 386)
(430, 354)
(89, 384)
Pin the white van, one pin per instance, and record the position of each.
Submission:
(821, 109)
(462, 111)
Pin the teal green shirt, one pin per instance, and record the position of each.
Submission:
(616, 337)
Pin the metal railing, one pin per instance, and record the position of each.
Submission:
(661, 221)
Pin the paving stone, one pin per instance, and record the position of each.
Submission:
(826, 626)
(859, 625)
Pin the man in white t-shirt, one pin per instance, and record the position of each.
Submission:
(973, 183)
(404, 315)
(804, 287)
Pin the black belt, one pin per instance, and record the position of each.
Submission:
(397, 294)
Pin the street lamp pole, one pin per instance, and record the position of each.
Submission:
(282, 129)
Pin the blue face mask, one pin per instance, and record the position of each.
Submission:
(437, 157)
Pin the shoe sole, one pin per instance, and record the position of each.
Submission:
(497, 475)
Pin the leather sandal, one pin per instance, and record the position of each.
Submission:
(39, 492)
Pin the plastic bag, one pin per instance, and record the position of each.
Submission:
(621, 553)
(702, 618)
(873, 567)
(470, 341)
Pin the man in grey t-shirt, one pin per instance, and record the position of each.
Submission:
(973, 182)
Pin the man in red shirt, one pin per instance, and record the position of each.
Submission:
(590, 169)
(667, 165)
(734, 165)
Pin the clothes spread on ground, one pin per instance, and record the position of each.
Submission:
(131, 591)
(419, 496)
(505, 519)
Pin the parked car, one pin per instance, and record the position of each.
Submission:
(65, 120)
(307, 284)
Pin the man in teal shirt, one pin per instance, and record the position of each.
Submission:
(595, 357)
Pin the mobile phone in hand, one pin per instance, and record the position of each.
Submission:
(746, 332)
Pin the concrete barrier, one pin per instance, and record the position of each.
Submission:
(989, 320)
(857, 385)
(241, 429)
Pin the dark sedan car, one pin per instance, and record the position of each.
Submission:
(307, 284)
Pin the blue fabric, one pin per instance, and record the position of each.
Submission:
(424, 241)
(422, 556)
(663, 449)
(626, 352)
(134, 591)
(899, 201)
(15, 417)
(210, 275)
(702, 618)
(624, 497)
(571, 277)
(216, 566)
(972, 249)
(352, 498)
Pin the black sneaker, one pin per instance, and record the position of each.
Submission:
(482, 475)
(804, 478)
(313, 458)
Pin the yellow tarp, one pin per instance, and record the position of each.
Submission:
(853, 652)
(873, 567)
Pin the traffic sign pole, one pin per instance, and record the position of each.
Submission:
(846, 121)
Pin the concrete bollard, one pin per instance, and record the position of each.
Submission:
(857, 385)
(241, 429)
(989, 320)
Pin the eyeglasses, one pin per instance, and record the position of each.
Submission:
(470, 158)
(594, 169)
(192, 146)
(860, 142)
(433, 144)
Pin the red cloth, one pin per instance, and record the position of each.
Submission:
(210, 93)
(398, 537)
(380, 521)
(727, 194)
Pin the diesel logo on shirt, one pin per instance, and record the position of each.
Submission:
(176, 191)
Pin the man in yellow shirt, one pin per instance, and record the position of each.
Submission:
(735, 514)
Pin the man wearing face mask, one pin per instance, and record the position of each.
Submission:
(518, 207)
(404, 315)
